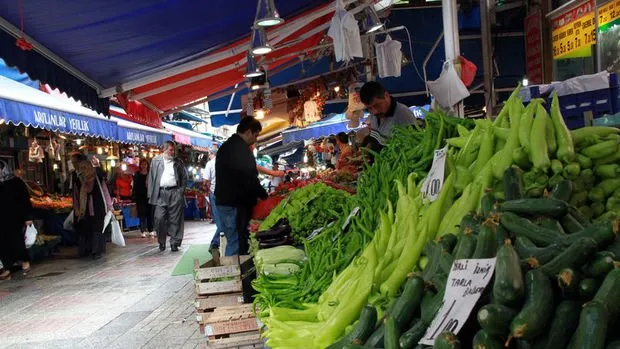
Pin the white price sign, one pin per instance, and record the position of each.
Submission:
(466, 282)
(434, 181)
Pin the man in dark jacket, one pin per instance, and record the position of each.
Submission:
(238, 187)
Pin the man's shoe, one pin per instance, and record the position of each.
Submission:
(162, 247)
(174, 248)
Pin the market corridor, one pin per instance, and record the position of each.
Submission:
(128, 299)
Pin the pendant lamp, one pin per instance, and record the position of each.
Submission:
(252, 69)
(260, 45)
(267, 15)
(372, 22)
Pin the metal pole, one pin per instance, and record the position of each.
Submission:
(451, 38)
(487, 55)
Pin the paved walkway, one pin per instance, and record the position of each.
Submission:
(127, 299)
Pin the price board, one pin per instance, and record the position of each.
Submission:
(609, 12)
(573, 30)
(434, 180)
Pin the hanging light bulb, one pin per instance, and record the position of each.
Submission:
(337, 89)
(260, 45)
(252, 70)
(267, 15)
(260, 114)
(372, 22)
(123, 167)
(99, 150)
(113, 163)
(78, 141)
(55, 167)
(525, 82)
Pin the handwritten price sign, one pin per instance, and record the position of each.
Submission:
(467, 280)
(434, 180)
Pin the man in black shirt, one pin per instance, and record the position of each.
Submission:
(238, 187)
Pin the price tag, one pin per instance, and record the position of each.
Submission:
(314, 233)
(351, 215)
(434, 181)
(466, 282)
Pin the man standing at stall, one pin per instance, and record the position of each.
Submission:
(166, 191)
(211, 180)
(385, 111)
(238, 187)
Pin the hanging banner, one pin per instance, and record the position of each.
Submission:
(608, 12)
(574, 31)
(533, 47)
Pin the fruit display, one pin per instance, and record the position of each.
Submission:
(55, 203)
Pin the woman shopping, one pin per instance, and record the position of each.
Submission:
(15, 215)
(145, 211)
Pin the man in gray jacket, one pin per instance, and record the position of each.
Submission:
(166, 191)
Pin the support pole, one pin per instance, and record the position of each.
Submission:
(451, 38)
(487, 55)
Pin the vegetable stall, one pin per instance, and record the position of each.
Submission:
(533, 202)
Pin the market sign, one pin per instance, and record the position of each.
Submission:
(574, 31)
(608, 12)
(134, 136)
(533, 47)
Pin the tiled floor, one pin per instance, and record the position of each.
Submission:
(125, 300)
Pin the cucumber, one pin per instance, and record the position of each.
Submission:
(525, 228)
(470, 223)
(465, 247)
(550, 223)
(487, 204)
(438, 281)
(433, 252)
(486, 245)
(573, 256)
(445, 262)
(564, 324)
(609, 292)
(600, 265)
(568, 281)
(534, 317)
(513, 183)
(526, 249)
(508, 287)
(483, 340)
(376, 338)
(570, 224)
(579, 216)
(447, 340)
(447, 242)
(547, 207)
(615, 248)
(392, 334)
(613, 345)
(562, 191)
(363, 329)
(602, 232)
(409, 300)
(495, 319)
(431, 303)
(412, 336)
(592, 329)
(588, 288)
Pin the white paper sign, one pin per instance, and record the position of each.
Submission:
(466, 282)
(434, 181)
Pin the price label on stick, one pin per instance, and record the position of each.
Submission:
(434, 181)
(466, 282)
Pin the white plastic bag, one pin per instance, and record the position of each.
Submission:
(117, 234)
(109, 217)
(448, 89)
(68, 224)
(30, 236)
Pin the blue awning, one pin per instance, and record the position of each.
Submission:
(329, 126)
(23, 105)
(195, 138)
(183, 115)
(133, 133)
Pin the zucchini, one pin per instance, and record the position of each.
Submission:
(600, 265)
(615, 248)
(508, 287)
(564, 324)
(525, 228)
(376, 338)
(592, 329)
(412, 336)
(486, 246)
(613, 345)
(550, 223)
(470, 223)
(513, 183)
(609, 292)
(447, 242)
(445, 262)
(487, 204)
(602, 232)
(588, 288)
(465, 247)
(392, 334)
(431, 303)
(495, 319)
(483, 340)
(363, 329)
(562, 191)
(447, 340)
(526, 249)
(547, 207)
(568, 281)
(534, 317)
(409, 300)
(573, 256)
(579, 216)
(570, 224)
(433, 252)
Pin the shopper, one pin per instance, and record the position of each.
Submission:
(210, 178)
(91, 202)
(238, 187)
(345, 151)
(385, 111)
(145, 211)
(166, 191)
(123, 185)
(16, 216)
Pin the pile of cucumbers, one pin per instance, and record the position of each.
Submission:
(556, 282)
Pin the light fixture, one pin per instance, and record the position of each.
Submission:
(337, 89)
(372, 22)
(78, 141)
(258, 82)
(112, 159)
(123, 167)
(260, 45)
(260, 114)
(525, 82)
(252, 70)
(267, 15)
(99, 150)
(55, 167)
(1, 121)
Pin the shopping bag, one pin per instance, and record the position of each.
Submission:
(30, 236)
(117, 234)
(448, 89)
(468, 71)
(68, 224)
(109, 217)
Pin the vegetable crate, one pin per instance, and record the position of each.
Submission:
(222, 315)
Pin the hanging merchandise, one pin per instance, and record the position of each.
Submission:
(389, 57)
(345, 33)
(54, 150)
(311, 111)
(355, 108)
(448, 89)
(35, 153)
(468, 71)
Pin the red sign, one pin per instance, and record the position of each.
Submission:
(533, 47)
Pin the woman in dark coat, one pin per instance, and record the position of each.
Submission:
(142, 201)
(15, 215)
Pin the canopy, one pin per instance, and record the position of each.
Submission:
(189, 117)
(134, 133)
(329, 126)
(21, 104)
(189, 137)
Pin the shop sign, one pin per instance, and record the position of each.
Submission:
(533, 47)
(608, 12)
(573, 30)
